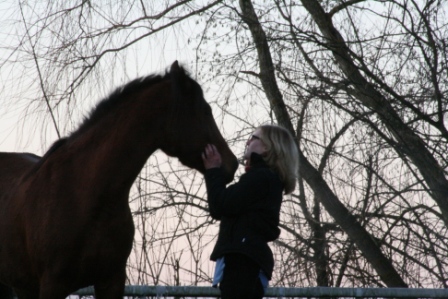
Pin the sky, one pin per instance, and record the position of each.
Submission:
(25, 126)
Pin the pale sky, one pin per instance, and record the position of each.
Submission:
(21, 127)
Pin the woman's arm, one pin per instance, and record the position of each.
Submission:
(237, 198)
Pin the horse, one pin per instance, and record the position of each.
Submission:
(65, 220)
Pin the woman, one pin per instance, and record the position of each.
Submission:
(249, 210)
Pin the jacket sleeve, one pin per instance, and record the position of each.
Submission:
(236, 198)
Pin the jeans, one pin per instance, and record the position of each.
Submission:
(241, 278)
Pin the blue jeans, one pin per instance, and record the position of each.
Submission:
(241, 278)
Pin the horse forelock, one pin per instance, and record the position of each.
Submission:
(185, 86)
(187, 97)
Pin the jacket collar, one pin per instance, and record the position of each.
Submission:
(256, 161)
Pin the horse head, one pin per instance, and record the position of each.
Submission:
(192, 125)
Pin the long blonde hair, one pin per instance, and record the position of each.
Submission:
(282, 154)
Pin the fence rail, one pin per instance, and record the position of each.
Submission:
(279, 292)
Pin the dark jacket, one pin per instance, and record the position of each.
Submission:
(249, 212)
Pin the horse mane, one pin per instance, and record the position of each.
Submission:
(116, 98)
(102, 108)
(119, 95)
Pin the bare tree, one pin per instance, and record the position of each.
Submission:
(365, 179)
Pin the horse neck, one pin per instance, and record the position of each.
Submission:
(117, 148)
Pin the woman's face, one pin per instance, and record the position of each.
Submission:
(255, 145)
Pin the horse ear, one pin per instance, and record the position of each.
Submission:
(175, 67)
(177, 75)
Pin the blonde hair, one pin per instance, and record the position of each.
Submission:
(282, 154)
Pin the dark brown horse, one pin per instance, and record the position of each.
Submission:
(65, 221)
